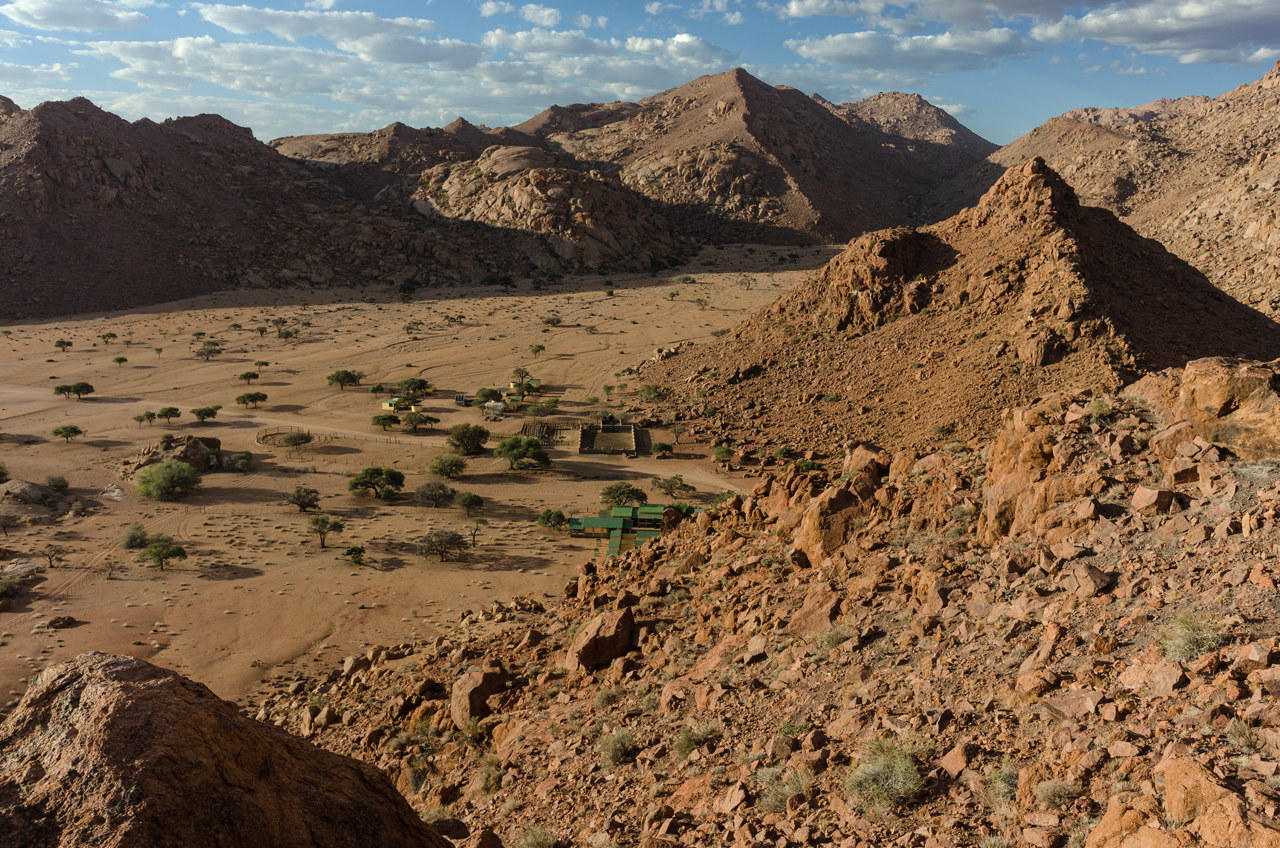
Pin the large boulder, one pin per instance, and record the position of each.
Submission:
(605, 638)
(112, 751)
(1230, 402)
(471, 692)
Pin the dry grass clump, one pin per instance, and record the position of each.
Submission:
(778, 788)
(1188, 636)
(491, 774)
(1002, 786)
(689, 739)
(886, 775)
(1056, 793)
(617, 748)
(534, 837)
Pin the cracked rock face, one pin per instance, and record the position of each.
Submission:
(111, 751)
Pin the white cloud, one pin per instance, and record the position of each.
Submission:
(550, 42)
(657, 8)
(333, 26)
(1193, 31)
(907, 17)
(489, 8)
(320, 4)
(540, 15)
(682, 47)
(929, 55)
(9, 38)
(78, 15)
(734, 18)
(707, 7)
(956, 110)
(32, 74)
(584, 21)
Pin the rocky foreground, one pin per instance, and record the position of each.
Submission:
(1063, 637)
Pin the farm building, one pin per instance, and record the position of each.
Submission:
(624, 527)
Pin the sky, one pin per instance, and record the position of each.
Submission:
(297, 67)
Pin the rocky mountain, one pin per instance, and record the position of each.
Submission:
(918, 337)
(1066, 636)
(1198, 175)
(97, 213)
(725, 158)
(112, 751)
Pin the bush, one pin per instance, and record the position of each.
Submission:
(621, 494)
(468, 438)
(168, 480)
(834, 636)
(57, 482)
(553, 518)
(885, 777)
(1056, 793)
(10, 587)
(433, 493)
(777, 791)
(535, 837)
(450, 466)
(1187, 637)
(617, 748)
(135, 537)
(689, 739)
(491, 774)
(241, 461)
(1002, 786)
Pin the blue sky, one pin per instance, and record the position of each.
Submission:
(290, 67)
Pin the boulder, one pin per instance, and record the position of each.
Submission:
(471, 692)
(816, 614)
(112, 751)
(605, 638)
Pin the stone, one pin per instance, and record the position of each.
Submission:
(113, 751)
(1166, 677)
(733, 798)
(816, 613)
(483, 838)
(955, 761)
(471, 693)
(1151, 501)
(605, 638)
(1190, 789)
(1073, 705)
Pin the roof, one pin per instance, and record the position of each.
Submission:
(622, 511)
(651, 509)
(610, 522)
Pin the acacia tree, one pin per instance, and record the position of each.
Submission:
(204, 413)
(434, 493)
(81, 388)
(68, 432)
(443, 543)
(248, 377)
(468, 501)
(209, 350)
(448, 465)
(382, 483)
(119, 360)
(467, 438)
(161, 549)
(518, 450)
(413, 386)
(7, 520)
(323, 525)
(343, 378)
(386, 420)
(169, 413)
(621, 494)
(62, 345)
(673, 486)
(254, 398)
(304, 499)
(414, 420)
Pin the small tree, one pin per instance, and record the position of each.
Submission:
(119, 360)
(81, 389)
(204, 413)
(722, 453)
(484, 396)
(649, 393)
(296, 440)
(62, 345)
(382, 483)
(673, 486)
(160, 550)
(249, 377)
(209, 350)
(261, 364)
(355, 554)
(261, 331)
(553, 518)
(148, 417)
(68, 432)
(107, 337)
(254, 398)
(53, 555)
(241, 461)
(467, 438)
(475, 529)
(386, 420)
(343, 378)
(518, 451)
(323, 525)
(7, 520)
(377, 389)
(64, 390)
(537, 349)
(413, 386)
(679, 430)
(468, 501)
(520, 374)
(414, 420)
(57, 482)
(552, 320)
(433, 493)
(168, 480)
(443, 543)
(158, 350)
(661, 449)
(621, 494)
(303, 498)
(169, 413)
(450, 466)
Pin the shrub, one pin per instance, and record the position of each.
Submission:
(1056, 793)
(1187, 637)
(448, 465)
(606, 698)
(57, 482)
(777, 790)
(135, 537)
(491, 774)
(834, 636)
(553, 518)
(10, 587)
(807, 465)
(535, 837)
(168, 480)
(689, 739)
(303, 498)
(355, 554)
(621, 494)
(1002, 785)
(468, 502)
(723, 453)
(241, 461)
(617, 748)
(885, 777)
(433, 493)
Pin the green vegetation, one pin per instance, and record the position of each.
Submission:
(553, 518)
(414, 420)
(467, 438)
(204, 413)
(433, 493)
(886, 775)
(161, 550)
(621, 494)
(135, 537)
(343, 378)
(323, 525)
(1056, 793)
(468, 501)
(67, 431)
(382, 483)
(303, 498)
(254, 398)
(445, 544)
(520, 452)
(354, 554)
(386, 420)
(248, 377)
(450, 466)
(168, 480)
(689, 739)
(169, 413)
(617, 748)
(57, 482)
(1002, 785)
(673, 486)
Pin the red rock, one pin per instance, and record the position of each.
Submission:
(1151, 501)
(471, 694)
(816, 613)
(605, 638)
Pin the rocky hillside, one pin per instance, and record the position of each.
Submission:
(919, 337)
(1198, 175)
(101, 214)
(1064, 637)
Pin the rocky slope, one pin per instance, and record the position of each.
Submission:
(1200, 177)
(1067, 636)
(916, 337)
(112, 751)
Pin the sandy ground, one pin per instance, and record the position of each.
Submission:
(257, 595)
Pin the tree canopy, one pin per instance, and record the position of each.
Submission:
(168, 480)
(343, 378)
(445, 544)
(521, 450)
(382, 483)
(468, 438)
(303, 498)
(621, 494)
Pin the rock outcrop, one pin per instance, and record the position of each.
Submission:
(112, 751)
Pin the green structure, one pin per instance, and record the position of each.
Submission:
(624, 527)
